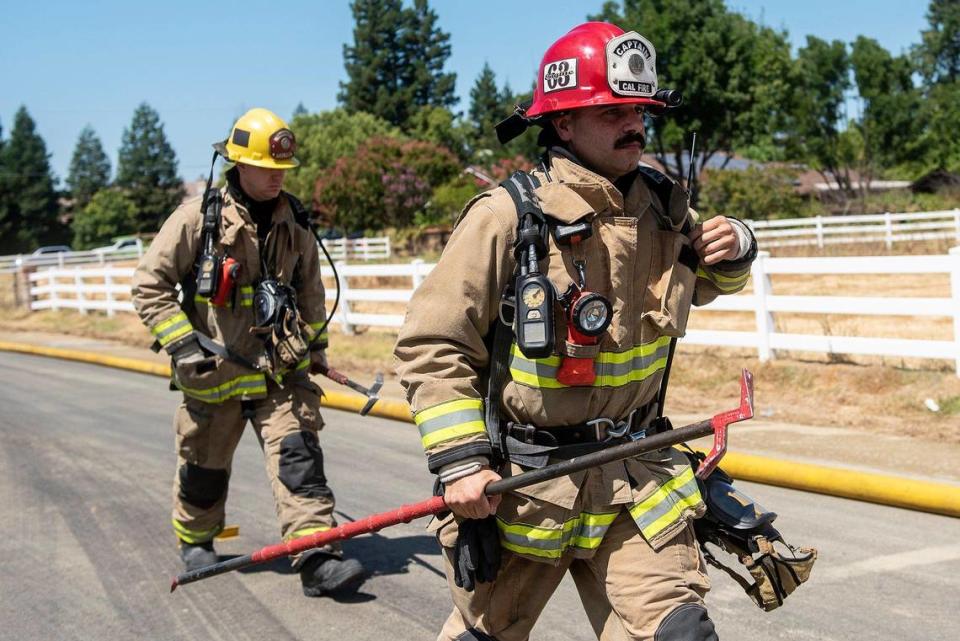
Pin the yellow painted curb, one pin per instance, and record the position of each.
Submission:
(88, 357)
(894, 491)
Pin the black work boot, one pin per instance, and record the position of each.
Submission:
(197, 556)
(322, 573)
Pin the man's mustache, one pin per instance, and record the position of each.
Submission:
(631, 138)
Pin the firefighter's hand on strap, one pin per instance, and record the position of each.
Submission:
(715, 240)
(476, 556)
(465, 496)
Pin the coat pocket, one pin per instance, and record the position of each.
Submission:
(669, 293)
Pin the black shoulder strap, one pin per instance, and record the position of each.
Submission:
(300, 213)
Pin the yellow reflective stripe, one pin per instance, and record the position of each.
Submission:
(614, 369)
(723, 282)
(666, 505)
(307, 531)
(246, 298)
(453, 419)
(450, 433)
(247, 384)
(193, 537)
(584, 531)
(171, 329)
(304, 364)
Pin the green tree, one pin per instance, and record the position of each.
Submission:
(89, 169)
(426, 50)
(753, 193)
(439, 126)
(395, 64)
(823, 76)
(324, 137)
(486, 110)
(938, 61)
(29, 216)
(938, 54)
(374, 62)
(734, 73)
(109, 213)
(147, 169)
(386, 182)
(891, 124)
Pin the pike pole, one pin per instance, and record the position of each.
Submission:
(716, 425)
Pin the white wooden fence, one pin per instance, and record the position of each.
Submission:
(364, 249)
(109, 291)
(886, 228)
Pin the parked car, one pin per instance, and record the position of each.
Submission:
(122, 244)
(51, 249)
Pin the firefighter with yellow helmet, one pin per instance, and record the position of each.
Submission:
(231, 289)
(570, 284)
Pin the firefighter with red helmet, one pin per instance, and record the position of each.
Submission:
(544, 333)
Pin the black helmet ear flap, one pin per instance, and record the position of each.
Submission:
(515, 124)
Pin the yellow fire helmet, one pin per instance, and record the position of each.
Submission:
(260, 138)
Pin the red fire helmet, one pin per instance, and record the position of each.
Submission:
(596, 63)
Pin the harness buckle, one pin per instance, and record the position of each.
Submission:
(612, 429)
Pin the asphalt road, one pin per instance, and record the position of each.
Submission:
(86, 549)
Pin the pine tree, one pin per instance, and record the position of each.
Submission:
(147, 169)
(374, 62)
(426, 50)
(300, 110)
(89, 169)
(29, 216)
(395, 65)
(486, 109)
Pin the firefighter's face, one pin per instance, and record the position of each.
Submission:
(608, 139)
(261, 183)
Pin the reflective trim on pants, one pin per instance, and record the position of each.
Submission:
(194, 537)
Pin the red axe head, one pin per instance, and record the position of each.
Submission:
(721, 421)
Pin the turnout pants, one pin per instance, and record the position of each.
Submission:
(286, 423)
(628, 590)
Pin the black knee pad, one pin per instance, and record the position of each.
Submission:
(301, 466)
(688, 622)
(202, 486)
(474, 635)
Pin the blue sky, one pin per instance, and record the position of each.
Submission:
(202, 64)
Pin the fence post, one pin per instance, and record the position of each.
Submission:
(820, 232)
(956, 223)
(81, 299)
(888, 228)
(344, 312)
(54, 295)
(762, 287)
(418, 275)
(955, 291)
(108, 285)
(386, 239)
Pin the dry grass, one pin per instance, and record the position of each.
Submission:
(875, 394)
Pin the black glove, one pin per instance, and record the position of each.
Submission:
(476, 556)
(189, 354)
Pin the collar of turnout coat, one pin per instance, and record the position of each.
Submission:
(575, 192)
